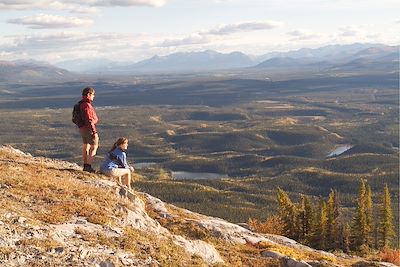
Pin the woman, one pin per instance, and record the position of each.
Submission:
(115, 164)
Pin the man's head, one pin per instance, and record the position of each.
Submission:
(88, 91)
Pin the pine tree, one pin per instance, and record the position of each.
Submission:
(386, 228)
(288, 214)
(308, 224)
(340, 222)
(369, 216)
(304, 217)
(331, 225)
(345, 244)
(359, 227)
(319, 235)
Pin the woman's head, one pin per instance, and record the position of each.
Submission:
(121, 142)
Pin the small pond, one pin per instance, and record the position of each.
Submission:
(339, 150)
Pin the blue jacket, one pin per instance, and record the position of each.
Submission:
(115, 159)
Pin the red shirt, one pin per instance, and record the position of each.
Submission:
(89, 115)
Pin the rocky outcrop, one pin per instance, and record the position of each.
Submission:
(79, 219)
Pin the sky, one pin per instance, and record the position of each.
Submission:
(132, 30)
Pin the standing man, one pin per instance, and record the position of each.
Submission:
(88, 130)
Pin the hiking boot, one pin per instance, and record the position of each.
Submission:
(88, 168)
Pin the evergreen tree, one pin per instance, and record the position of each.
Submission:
(340, 223)
(345, 241)
(319, 235)
(308, 224)
(304, 217)
(288, 214)
(331, 225)
(369, 216)
(359, 227)
(301, 219)
(386, 228)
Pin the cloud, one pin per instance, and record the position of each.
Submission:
(190, 40)
(349, 31)
(71, 45)
(155, 3)
(302, 35)
(244, 27)
(83, 6)
(45, 21)
(46, 5)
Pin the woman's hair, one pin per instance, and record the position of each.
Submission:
(119, 142)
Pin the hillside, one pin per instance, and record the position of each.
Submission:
(53, 214)
(30, 71)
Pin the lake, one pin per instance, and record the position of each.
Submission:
(339, 150)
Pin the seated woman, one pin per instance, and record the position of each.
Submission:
(115, 164)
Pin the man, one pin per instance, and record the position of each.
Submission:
(88, 130)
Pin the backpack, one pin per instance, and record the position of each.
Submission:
(77, 115)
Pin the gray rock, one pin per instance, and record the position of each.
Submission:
(59, 250)
(83, 253)
(21, 220)
(244, 225)
(127, 261)
(106, 264)
(4, 186)
(272, 254)
(293, 263)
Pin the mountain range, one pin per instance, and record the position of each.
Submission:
(325, 57)
(332, 58)
(31, 71)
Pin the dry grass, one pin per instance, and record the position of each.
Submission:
(234, 255)
(180, 223)
(300, 254)
(53, 196)
(243, 255)
(5, 252)
(95, 238)
(164, 250)
(45, 244)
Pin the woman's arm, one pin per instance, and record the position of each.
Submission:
(124, 161)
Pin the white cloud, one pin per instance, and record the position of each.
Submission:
(190, 40)
(45, 21)
(71, 45)
(83, 6)
(208, 36)
(154, 3)
(302, 35)
(349, 31)
(45, 5)
(244, 27)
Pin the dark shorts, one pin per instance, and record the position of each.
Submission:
(87, 137)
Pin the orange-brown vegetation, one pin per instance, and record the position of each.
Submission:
(272, 225)
(390, 255)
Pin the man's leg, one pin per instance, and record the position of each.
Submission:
(93, 150)
(85, 153)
